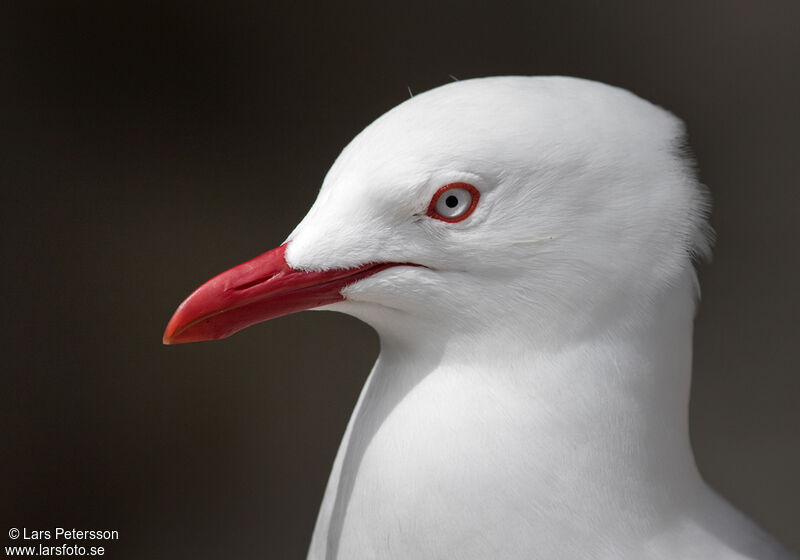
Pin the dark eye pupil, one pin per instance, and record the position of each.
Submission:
(451, 201)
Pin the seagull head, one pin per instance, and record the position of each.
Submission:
(555, 203)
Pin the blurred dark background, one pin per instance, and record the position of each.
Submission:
(147, 146)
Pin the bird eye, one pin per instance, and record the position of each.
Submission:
(453, 202)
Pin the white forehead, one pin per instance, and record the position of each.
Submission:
(495, 125)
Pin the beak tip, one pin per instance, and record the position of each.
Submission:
(168, 339)
(179, 332)
(172, 333)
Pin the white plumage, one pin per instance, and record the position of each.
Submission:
(530, 400)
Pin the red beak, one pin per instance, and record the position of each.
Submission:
(259, 289)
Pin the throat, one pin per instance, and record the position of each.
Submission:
(595, 433)
(608, 415)
(616, 398)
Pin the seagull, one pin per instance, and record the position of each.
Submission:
(524, 248)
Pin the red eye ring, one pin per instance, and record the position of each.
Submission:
(465, 186)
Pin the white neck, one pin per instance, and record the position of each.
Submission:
(588, 441)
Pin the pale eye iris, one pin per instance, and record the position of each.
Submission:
(454, 203)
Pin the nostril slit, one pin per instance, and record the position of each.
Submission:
(255, 282)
